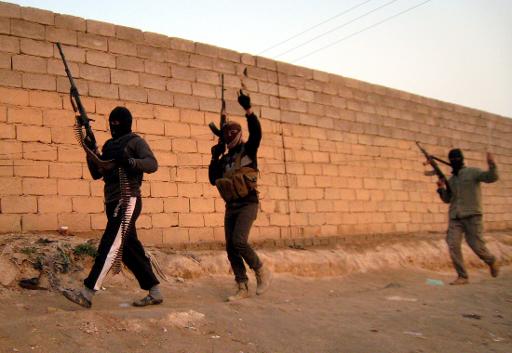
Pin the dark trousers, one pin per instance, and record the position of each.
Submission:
(134, 256)
(472, 228)
(237, 225)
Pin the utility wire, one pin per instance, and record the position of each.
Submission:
(335, 28)
(360, 31)
(313, 27)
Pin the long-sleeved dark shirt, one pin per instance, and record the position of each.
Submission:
(128, 146)
(249, 158)
(465, 198)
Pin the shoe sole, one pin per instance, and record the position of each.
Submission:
(154, 302)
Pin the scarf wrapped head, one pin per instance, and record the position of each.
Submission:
(232, 134)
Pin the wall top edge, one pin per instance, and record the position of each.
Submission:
(158, 40)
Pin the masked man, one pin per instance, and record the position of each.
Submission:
(465, 212)
(132, 157)
(235, 175)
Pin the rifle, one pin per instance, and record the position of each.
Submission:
(76, 103)
(82, 120)
(218, 130)
(431, 159)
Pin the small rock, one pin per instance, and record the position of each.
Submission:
(401, 299)
(185, 319)
(472, 316)
(52, 309)
(415, 334)
(8, 273)
(393, 285)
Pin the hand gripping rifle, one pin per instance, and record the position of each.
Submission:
(431, 159)
(82, 120)
(218, 130)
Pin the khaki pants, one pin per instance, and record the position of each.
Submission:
(471, 227)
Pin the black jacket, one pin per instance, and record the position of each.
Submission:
(127, 146)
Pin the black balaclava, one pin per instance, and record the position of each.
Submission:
(232, 134)
(124, 119)
(456, 160)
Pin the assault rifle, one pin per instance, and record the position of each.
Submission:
(431, 159)
(82, 120)
(218, 130)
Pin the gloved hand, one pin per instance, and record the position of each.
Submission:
(244, 100)
(122, 159)
(126, 163)
(218, 150)
(89, 143)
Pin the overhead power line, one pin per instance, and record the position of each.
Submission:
(360, 31)
(313, 27)
(335, 29)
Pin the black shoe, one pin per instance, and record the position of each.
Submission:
(147, 300)
(77, 297)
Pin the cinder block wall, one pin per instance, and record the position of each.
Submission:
(337, 158)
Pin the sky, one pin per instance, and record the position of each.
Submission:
(458, 51)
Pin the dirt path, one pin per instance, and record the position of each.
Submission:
(384, 311)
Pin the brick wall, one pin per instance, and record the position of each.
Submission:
(337, 157)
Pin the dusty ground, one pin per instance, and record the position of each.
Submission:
(399, 308)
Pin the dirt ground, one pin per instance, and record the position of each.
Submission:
(392, 309)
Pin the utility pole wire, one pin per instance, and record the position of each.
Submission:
(360, 31)
(313, 27)
(335, 29)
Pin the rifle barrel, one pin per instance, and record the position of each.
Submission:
(66, 67)
(77, 105)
